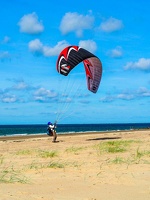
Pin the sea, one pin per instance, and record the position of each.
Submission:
(35, 129)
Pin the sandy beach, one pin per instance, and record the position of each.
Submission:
(94, 166)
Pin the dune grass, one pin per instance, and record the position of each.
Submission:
(75, 150)
(24, 152)
(38, 153)
(118, 146)
(123, 146)
(135, 158)
(9, 175)
(47, 154)
(40, 165)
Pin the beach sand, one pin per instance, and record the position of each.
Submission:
(92, 166)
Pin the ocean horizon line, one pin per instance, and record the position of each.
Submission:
(68, 124)
(35, 129)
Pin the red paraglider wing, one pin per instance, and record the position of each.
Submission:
(71, 56)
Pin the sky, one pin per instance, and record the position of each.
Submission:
(32, 35)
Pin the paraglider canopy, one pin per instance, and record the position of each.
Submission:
(71, 56)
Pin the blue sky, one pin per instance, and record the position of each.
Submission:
(32, 35)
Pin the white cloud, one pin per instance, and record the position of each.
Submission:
(125, 96)
(121, 96)
(111, 25)
(107, 99)
(89, 45)
(44, 92)
(29, 24)
(20, 86)
(143, 92)
(7, 98)
(44, 95)
(38, 48)
(52, 51)
(74, 22)
(21, 92)
(141, 64)
(115, 53)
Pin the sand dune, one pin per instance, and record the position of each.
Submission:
(91, 166)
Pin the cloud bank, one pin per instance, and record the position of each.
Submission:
(38, 48)
(142, 64)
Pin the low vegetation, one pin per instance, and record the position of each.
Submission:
(116, 151)
(113, 146)
(38, 153)
(47, 154)
(75, 150)
(9, 175)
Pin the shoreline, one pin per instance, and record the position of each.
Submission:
(30, 136)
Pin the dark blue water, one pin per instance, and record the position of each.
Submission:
(7, 130)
